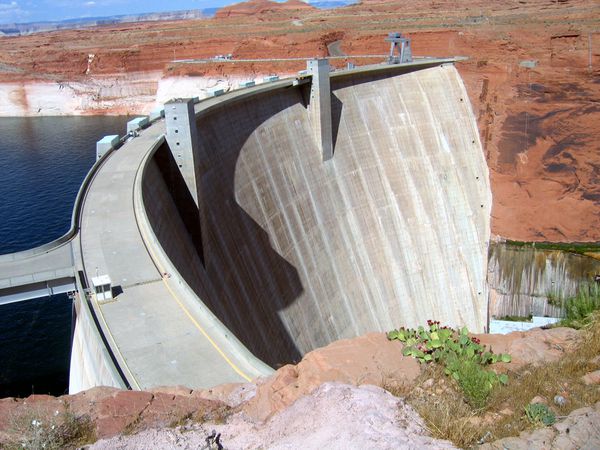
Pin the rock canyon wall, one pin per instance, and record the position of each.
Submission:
(532, 78)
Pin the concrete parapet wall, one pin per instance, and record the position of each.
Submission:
(91, 364)
(393, 230)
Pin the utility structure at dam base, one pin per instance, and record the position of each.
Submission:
(244, 230)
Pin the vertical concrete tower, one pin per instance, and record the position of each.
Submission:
(319, 106)
(182, 137)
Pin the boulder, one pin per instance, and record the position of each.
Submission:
(368, 359)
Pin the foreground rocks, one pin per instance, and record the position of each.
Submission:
(532, 347)
(578, 430)
(369, 359)
(111, 411)
(334, 416)
(328, 398)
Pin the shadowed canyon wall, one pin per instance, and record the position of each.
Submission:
(296, 252)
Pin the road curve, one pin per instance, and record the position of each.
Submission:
(157, 336)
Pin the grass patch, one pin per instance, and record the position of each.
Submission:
(528, 318)
(181, 421)
(583, 248)
(579, 309)
(445, 417)
(215, 414)
(474, 382)
(212, 414)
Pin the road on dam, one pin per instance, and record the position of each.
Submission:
(156, 333)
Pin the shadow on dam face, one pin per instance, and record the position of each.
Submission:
(231, 263)
(253, 283)
(292, 253)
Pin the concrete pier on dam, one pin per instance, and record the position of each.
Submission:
(244, 230)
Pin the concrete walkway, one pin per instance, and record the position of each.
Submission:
(158, 337)
(52, 264)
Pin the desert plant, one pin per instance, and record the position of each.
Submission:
(463, 357)
(539, 414)
(448, 416)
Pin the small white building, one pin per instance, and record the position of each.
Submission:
(104, 145)
(216, 91)
(246, 84)
(102, 288)
(136, 124)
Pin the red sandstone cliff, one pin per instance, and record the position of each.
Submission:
(256, 7)
(533, 77)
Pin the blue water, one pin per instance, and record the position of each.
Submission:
(42, 163)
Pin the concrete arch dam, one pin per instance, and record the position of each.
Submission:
(291, 252)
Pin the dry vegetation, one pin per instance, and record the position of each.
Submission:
(440, 402)
(49, 430)
(216, 415)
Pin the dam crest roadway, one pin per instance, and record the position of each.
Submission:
(272, 220)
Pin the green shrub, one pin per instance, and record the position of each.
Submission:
(463, 357)
(578, 309)
(475, 382)
(40, 430)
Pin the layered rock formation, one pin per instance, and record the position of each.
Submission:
(258, 7)
(532, 77)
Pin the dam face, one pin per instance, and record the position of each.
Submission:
(292, 253)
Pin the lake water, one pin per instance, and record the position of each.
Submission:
(43, 161)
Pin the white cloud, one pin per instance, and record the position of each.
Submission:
(89, 3)
(11, 12)
(9, 6)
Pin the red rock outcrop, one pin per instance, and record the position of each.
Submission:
(533, 80)
(367, 360)
(257, 7)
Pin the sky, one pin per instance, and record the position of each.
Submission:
(19, 11)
